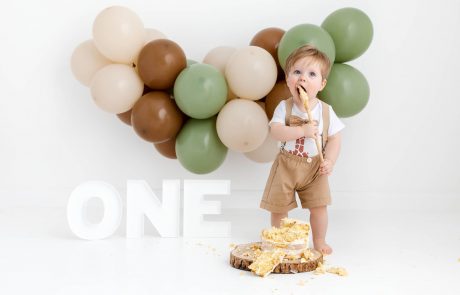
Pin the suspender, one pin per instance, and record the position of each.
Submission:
(325, 116)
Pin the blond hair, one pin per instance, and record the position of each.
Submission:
(309, 51)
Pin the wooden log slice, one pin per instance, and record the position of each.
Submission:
(243, 255)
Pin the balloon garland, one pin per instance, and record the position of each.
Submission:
(194, 111)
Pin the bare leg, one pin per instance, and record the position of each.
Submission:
(276, 218)
(318, 221)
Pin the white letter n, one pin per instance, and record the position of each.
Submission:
(141, 200)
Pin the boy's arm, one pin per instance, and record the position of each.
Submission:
(282, 132)
(331, 153)
(332, 150)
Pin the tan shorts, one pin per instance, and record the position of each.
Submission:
(290, 174)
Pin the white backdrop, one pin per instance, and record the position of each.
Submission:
(53, 137)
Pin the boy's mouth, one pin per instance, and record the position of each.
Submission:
(298, 89)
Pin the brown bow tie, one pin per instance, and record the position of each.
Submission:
(297, 121)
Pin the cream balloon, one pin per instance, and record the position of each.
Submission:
(119, 34)
(219, 56)
(153, 34)
(242, 125)
(266, 152)
(116, 88)
(251, 72)
(86, 60)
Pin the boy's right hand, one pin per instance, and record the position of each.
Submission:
(310, 130)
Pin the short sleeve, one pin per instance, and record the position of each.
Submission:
(335, 124)
(279, 116)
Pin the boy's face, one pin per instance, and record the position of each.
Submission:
(307, 73)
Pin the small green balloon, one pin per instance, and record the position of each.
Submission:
(352, 32)
(191, 62)
(200, 91)
(347, 90)
(198, 147)
(305, 34)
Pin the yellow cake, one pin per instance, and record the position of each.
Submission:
(292, 235)
(289, 241)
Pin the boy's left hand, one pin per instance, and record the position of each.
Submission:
(326, 167)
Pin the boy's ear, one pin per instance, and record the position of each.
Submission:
(323, 84)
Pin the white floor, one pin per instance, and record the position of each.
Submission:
(398, 252)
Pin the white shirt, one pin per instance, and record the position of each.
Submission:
(308, 145)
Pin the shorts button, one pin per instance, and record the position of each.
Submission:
(309, 160)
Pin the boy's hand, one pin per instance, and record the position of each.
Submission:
(310, 130)
(326, 167)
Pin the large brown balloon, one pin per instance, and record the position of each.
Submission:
(279, 92)
(156, 118)
(160, 62)
(167, 148)
(125, 117)
(269, 39)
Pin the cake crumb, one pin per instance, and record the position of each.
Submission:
(301, 283)
(321, 269)
(338, 271)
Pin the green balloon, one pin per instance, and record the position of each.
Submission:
(347, 90)
(305, 34)
(352, 32)
(200, 91)
(191, 62)
(198, 148)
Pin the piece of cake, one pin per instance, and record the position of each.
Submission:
(267, 261)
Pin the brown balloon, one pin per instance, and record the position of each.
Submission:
(279, 92)
(269, 39)
(160, 62)
(156, 118)
(167, 148)
(261, 104)
(125, 117)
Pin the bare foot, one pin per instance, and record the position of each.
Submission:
(322, 247)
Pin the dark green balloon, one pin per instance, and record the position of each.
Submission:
(200, 91)
(352, 32)
(305, 34)
(198, 148)
(347, 90)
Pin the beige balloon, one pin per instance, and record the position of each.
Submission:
(266, 152)
(219, 56)
(86, 60)
(251, 72)
(119, 34)
(116, 88)
(242, 125)
(153, 34)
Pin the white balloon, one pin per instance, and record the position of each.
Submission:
(251, 72)
(119, 34)
(153, 34)
(86, 60)
(267, 152)
(116, 88)
(242, 125)
(219, 56)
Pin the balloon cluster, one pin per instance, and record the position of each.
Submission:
(194, 111)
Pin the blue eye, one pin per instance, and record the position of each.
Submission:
(296, 72)
(313, 74)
